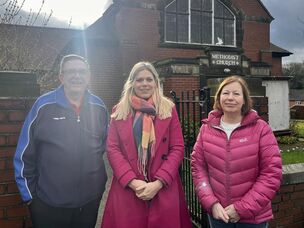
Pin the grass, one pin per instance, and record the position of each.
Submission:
(292, 153)
(292, 150)
(293, 157)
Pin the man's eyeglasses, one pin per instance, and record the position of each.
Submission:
(72, 72)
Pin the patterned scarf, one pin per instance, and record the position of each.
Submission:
(143, 130)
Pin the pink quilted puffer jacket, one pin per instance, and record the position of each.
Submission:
(245, 170)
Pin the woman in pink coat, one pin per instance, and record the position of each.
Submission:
(145, 149)
(236, 164)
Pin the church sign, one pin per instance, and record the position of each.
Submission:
(225, 59)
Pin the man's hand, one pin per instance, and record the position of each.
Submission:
(149, 190)
(218, 212)
(233, 215)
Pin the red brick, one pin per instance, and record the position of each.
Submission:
(279, 214)
(299, 187)
(9, 164)
(12, 188)
(28, 223)
(2, 214)
(2, 189)
(286, 205)
(3, 116)
(272, 224)
(286, 188)
(285, 221)
(10, 200)
(11, 223)
(16, 116)
(12, 104)
(298, 215)
(12, 140)
(299, 202)
(2, 165)
(297, 195)
(296, 225)
(285, 197)
(2, 140)
(7, 152)
(7, 176)
(17, 212)
(10, 128)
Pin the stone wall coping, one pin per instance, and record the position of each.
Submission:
(293, 174)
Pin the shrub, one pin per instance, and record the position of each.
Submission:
(190, 131)
(287, 139)
(297, 128)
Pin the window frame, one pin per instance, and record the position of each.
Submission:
(189, 13)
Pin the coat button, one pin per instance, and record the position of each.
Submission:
(164, 139)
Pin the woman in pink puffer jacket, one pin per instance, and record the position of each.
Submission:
(236, 163)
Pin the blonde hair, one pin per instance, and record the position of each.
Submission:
(246, 94)
(162, 104)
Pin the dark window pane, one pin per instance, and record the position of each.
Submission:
(196, 27)
(182, 6)
(171, 27)
(182, 23)
(207, 28)
(218, 9)
(218, 32)
(196, 4)
(207, 5)
(229, 32)
(227, 14)
(171, 7)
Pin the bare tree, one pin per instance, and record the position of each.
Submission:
(21, 46)
(297, 71)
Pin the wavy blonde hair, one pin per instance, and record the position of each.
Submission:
(162, 104)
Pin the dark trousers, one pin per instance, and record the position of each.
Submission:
(45, 216)
(215, 223)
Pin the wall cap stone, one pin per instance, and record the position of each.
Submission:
(293, 174)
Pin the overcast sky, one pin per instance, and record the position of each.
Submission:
(287, 28)
(80, 12)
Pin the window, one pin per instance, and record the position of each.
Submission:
(199, 22)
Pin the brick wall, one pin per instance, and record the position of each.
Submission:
(179, 84)
(13, 213)
(276, 67)
(288, 207)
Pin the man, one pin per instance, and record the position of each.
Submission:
(58, 163)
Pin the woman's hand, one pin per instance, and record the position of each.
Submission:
(218, 212)
(148, 190)
(233, 215)
(135, 183)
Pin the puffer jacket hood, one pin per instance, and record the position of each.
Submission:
(244, 170)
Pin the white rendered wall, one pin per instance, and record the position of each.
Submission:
(278, 104)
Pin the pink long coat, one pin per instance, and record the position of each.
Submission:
(168, 208)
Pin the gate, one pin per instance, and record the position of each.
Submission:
(192, 106)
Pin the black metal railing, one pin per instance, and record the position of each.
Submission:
(192, 106)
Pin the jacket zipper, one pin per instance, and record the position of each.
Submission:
(228, 198)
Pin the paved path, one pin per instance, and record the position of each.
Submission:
(105, 195)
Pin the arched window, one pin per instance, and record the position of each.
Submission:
(207, 22)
